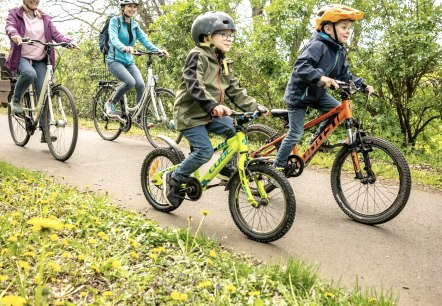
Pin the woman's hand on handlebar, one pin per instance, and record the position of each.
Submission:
(164, 53)
(16, 39)
(129, 49)
(221, 110)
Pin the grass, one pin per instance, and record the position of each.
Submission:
(80, 249)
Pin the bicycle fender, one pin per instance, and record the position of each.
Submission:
(172, 144)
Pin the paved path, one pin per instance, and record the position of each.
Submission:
(403, 254)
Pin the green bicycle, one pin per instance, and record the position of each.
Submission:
(262, 214)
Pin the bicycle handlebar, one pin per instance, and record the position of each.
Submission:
(143, 52)
(349, 87)
(29, 41)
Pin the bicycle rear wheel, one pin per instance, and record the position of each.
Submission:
(383, 191)
(156, 161)
(18, 123)
(63, 125)
(258, 135)
(274, 216)
(162, 125)
(107, 128)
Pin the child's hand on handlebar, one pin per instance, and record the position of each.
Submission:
(328, 82)
(262, 110)
(221, 110)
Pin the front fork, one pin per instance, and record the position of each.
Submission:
(354, 138)
(245, 183)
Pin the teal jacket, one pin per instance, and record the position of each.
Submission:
(119, 40)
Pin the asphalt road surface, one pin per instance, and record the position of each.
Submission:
(403, 254)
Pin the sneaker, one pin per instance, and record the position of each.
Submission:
(43, 138)
(171, 190)
(225, 174)
(109, 108)
(16, 107)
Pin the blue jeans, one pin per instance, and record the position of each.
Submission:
(296, 126)
(198, 138)
(31, 72)
(130, 76)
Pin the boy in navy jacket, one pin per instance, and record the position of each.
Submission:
(321, 62)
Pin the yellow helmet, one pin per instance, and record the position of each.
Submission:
(335, 12)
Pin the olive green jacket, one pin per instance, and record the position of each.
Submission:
(207, 79)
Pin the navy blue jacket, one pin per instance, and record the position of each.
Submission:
(321, 56)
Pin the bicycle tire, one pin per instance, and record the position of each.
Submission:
(157, 160)
(373, 202)
(17, 123)
(281, 205)
(163, 126)
(108, 129)
(66, 131)
(259, 135)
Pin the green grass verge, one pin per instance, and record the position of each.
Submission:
(104, 255)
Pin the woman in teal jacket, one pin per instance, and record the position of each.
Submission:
(123, 34)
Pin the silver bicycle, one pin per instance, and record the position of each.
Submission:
(156, 107)
(56, 105)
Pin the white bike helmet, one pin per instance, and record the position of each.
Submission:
(125, 2)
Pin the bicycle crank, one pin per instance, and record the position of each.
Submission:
(194, 190)
(295, 166)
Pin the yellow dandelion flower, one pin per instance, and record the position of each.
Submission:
(5, 251)
(53, 237)
(101, 234)
(116, 264)
(97, 269)
(175, 295)
(13, 300)
(92, 241)
(209, 261)
(329, 295)
(108, 293)
(13, 239)
(59, 303)
(30, 254)
(81, 257)
(153, 256)
(205, 213)
(49, 254)
(184, 297)
(230, 288)
(204, 284)
(212, 253)
(31, 248)
(134, 243)
(83, 293)
(52, 217)
(70, 226)
(105, 238)
(54, 266)
(158, 250)
(64, 242)
(24, 265)
(66, 255)
(37, 280)
(134, 255)
(14, 222)
(372, 300)
(3, 278)
(254, 293)
(42, 224)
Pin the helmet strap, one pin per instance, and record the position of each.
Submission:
(336, 34)
(34, 12)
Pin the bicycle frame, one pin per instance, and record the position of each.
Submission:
(149, 91)
(341, 113)
(229, 148)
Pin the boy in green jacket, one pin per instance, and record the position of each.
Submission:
(199, 109)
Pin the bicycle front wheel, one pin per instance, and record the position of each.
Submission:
(61, 130)
(274, 216)
(107, 128)
(156, 161)
(382, 192)
(18, 122)
(162, 121)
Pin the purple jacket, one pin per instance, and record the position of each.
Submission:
(15, 25)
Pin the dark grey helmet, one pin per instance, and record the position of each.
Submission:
(210, 22)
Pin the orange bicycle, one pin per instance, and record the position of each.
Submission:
(370, 178)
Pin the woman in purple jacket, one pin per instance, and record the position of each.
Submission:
(29, 60)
